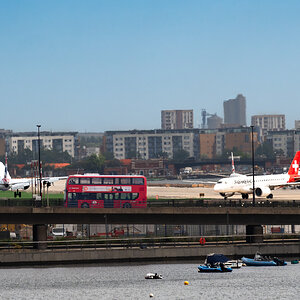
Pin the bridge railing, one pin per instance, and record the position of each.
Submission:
(59, 202)
(145, 243)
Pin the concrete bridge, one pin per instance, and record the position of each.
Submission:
(152, 215)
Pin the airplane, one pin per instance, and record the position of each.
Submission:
(16, 184)
(263, 184)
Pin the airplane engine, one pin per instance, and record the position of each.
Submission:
(263, 191)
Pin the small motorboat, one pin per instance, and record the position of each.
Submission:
(214, 263)
(294, 262)
(220, 268)
(260, 260)
(234, 264)
(153, 276)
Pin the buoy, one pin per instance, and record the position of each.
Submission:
(202, 241)
(186, 283)
(151, 295)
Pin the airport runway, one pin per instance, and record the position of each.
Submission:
(193, 192)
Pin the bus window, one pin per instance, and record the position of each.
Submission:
(125, 196)
(138, 181)
(96, 180)
(134, 196)
(108, 181)
(117, 181)
(71, 196)
(85, 180)
(125, 180)
(74, 180)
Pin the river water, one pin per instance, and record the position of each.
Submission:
(127, 282)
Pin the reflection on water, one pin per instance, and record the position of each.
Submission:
(127, 282)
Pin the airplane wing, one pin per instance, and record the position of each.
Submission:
(19, 184)
(50, 180)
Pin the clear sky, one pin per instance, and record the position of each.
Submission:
(114, 65)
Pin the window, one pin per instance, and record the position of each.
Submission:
(96, 180)
(85, 180)
(108, 181)
(138, 181)
(124, 180)
(74, 180)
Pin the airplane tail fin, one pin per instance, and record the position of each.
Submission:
(232, 164)
(5, 167)
(294, 167)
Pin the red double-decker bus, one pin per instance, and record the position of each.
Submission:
(106, 191)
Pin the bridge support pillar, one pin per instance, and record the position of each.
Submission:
(254, 234)
(39, 234)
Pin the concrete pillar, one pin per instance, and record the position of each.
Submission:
(254, 234)
(39, 233)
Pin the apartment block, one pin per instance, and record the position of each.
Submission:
(177, 119)
(267, 123)
(58, 141)
(148, 144)
(235, 111)
(286, 141)
(207, 145)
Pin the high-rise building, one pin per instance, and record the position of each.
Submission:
(297, 124)
(177, 119)
(267, 123)
(235, 111)
(214, 122)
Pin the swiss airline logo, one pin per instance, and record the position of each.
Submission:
(295, 166)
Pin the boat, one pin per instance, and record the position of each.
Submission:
(294, 262)
(214, 263)
(214, 269)
(234, 264)
(260, 260)
(153, 276)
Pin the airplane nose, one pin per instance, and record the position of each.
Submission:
(216, 187)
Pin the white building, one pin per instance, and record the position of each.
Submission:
(58, 141)
(268, 123)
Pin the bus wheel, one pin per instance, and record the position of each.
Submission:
(85, 205)
(127, 205)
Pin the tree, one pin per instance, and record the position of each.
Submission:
(265, 150)
(181, 155)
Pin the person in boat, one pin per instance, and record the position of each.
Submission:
(222, 266)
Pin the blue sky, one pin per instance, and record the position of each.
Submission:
(114, 65)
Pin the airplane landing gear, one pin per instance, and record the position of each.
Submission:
(245, 196)
(17, 194)
(270, 196)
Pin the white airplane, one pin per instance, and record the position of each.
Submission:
(263, 184)
(16, 184)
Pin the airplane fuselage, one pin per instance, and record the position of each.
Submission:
(244, 184)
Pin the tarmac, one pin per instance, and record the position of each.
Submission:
(193, 192)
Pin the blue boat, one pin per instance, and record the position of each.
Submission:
(259, 261)
(217, 269)
(214, 263)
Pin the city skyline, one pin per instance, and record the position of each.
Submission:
(96, 66)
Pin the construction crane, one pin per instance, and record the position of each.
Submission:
(204, 116)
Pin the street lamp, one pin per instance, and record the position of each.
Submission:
(253, 183)
(39, 157)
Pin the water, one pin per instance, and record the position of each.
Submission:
(127, 282)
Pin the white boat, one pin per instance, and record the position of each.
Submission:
(153, 276)
(234, 264)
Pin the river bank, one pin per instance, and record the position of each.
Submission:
(48, 257)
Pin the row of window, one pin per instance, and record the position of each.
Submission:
(107, 180)
(102, 196)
